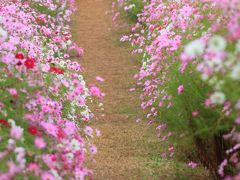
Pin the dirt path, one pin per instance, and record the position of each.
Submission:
(126, 147)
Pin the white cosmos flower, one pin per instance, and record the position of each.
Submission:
(62, 63)
(235, 74)
(75, 145)
(80, 77)
(59, 146)
(195, 48)
(218, 98)
(70, 156)
(69, 42)
(217, 43)
(3, 34)
(64, 45)
(56, 175)
(12, 122)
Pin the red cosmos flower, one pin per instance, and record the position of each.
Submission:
(32, 130)
(5, 123)
(29, 63)
(19, 55)
(56, 70)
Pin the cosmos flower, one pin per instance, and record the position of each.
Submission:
(195, 48)
(218, 98)
(217, 43)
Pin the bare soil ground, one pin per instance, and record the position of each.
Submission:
(126, 149)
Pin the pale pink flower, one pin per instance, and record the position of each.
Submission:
(47, 176)
(192, 165)
(88, 130)
(180, 89)
(160, 104)
(39, 143)
(13, 91)
(208, 103)
(195, 113)
(93, 149)
(16, 132)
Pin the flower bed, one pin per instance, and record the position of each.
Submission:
(43, 110)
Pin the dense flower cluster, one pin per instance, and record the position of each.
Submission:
(43, 94)
(190, 65)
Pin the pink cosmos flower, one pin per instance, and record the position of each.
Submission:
(160, 104)
(47, 176)
(151, 27)
(208, 103)
(180, 89)
(79, 90)
(13, 91)
(75, 50)
(81, 101)
(50, 128)
(16, 132)
(195, 113)
(39, 143)
(88, 130)
(192, 165)
(34, 167)
(70, 128)
(95, 91)
(46, 108)
(93, 149)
